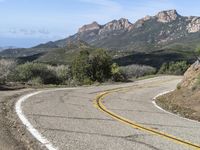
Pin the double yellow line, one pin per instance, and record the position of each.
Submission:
(98, 103)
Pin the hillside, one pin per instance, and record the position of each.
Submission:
(167, 34)
(185, 99)
(64, 55)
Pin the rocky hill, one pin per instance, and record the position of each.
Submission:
(148, 33)
(167, 34)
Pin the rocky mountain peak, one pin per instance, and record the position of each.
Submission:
(93, 26)
(118, 24)
(121, 24)
(167, 16)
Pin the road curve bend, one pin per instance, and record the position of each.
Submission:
(67, 118)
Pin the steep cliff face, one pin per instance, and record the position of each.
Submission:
(167, 16)
(115, 25)
(89, 27)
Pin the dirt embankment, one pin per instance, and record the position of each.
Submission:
(185, 100)
(13, 135)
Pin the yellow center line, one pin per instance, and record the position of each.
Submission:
(99, 104)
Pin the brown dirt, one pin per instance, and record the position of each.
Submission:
(13, 135)
(184, 102)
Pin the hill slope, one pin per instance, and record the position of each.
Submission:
(185, 99)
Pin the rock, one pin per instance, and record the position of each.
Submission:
(121, 24)
(167, 16)
(89, 27)
(194, 25)
(190, 76)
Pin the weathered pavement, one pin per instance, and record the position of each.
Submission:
(70, 121)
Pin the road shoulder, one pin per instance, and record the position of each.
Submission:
(13, 135)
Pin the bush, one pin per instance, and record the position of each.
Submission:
(31, 71)
(117, 74)
(100, 65)
(137, 70)
(90, 67)
(81, 67)
(36, 81)
(62, 72)
(6, 66)
(174, 68)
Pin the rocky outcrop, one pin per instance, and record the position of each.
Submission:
(121, 24)
(89, 27)
(115, 25)
(167, 16)
(191, 75)
(194, 25)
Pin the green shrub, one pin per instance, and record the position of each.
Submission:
(81, 67)
(178, 87)
(117, 74)
(100, 65)
(36, 81)
(174, 68)
(31, 71)
(62, 72)
(6, 66)
(90, 67)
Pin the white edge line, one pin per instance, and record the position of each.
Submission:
(163, 93)
(36, 134)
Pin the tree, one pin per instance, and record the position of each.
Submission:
(81, 66)
(90, 67)
(101, 65)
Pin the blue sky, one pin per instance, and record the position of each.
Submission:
(25, 23)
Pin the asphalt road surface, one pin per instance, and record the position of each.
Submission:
(71, 119)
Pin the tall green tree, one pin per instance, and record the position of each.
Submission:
(101, 65)
(81, 67)
(95, 66)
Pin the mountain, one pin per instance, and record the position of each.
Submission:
(147, 34)
(166, 35)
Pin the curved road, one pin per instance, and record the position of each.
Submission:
(71, 120)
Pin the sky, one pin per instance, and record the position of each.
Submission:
(26, 23)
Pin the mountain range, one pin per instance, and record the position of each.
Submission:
(165, 33)
(148, 33)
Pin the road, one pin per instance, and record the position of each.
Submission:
(70, 119)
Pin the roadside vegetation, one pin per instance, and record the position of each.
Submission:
(174, 68)
(6, 67)
(88, 66)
